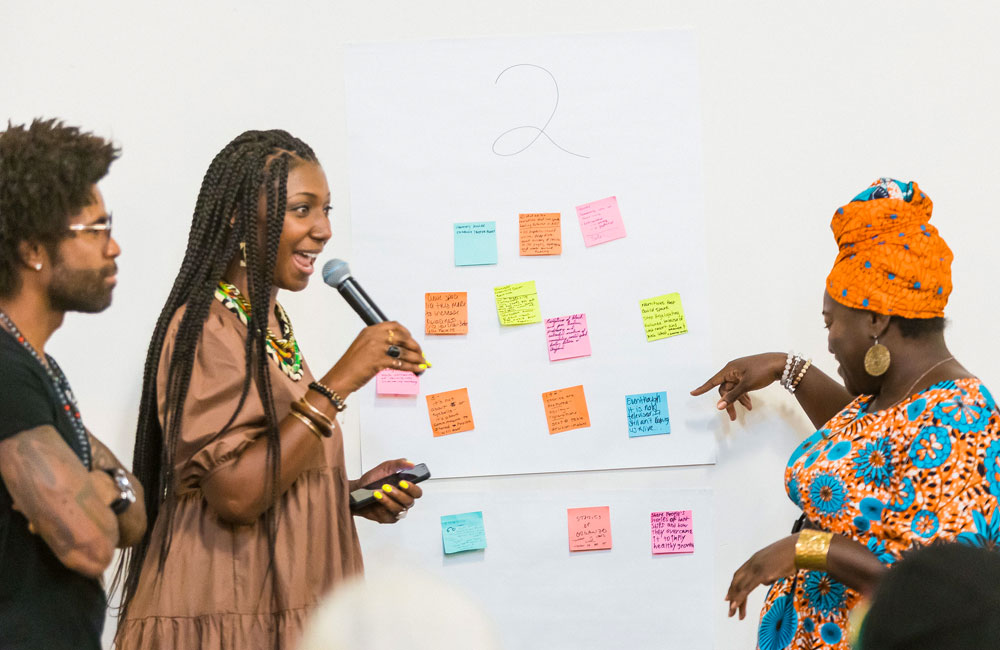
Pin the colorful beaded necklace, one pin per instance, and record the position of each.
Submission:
(67, 401)
(285, 350)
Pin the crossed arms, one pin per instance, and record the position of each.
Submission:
(66, 505)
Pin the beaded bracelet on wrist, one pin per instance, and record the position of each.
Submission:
(335, 399)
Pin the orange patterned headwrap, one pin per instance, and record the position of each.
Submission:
(891, 260)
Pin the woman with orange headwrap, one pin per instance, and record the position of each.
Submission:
(907, 450)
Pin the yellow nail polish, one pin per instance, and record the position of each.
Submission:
(387, 488)
(378, 495)
(423, 366)
(404, 485)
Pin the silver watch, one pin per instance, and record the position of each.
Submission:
(126, 494)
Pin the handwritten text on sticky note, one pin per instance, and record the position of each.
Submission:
(567, 337)
(446, 313)
(517, 304)
(396, 382)
(672, 532)
(450, 412)
(589, 528)
(475, 243)
(663, 316)
(464, 532)
(540, 233)
(600, 221)
(566, 409)
(647, 414)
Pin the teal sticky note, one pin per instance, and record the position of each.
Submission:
(475, 243)
(647, 414)
(464, 532)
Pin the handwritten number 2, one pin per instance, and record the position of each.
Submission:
(539, 131)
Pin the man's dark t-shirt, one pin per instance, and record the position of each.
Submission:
(42, 603)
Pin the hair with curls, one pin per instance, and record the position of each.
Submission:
(47, 172)
(252, 166)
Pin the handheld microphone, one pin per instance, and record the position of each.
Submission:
(337, 274)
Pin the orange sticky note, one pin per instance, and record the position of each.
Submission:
(446, 313)
(541, 233)
(450, 412)
(566, 409)
(589, 528)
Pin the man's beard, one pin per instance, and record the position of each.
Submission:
(78, 290)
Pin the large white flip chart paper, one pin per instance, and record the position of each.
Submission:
(542, 595)
(483, 130)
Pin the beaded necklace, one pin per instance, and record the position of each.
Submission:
(285, 350)
(67, 401)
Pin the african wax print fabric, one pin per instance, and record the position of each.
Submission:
(925, 470)
(892, 260)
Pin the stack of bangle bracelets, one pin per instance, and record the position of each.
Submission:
(795, 369)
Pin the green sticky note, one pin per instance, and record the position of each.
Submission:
(663, 316)
(475, 243)
(517, 304)
(463, 532)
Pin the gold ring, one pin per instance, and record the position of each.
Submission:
(391, 334)
(397, 363)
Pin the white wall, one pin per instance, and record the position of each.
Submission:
(803, 105)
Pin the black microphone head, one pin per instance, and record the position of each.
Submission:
(335, 272)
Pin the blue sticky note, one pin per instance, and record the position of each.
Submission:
(475, 243)
(464, 532)
(647, 414)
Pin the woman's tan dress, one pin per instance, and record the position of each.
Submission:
(215, 590)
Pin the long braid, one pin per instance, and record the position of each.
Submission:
(226, 214)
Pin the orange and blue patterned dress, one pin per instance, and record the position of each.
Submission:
(925, 470)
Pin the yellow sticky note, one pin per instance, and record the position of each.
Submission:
(663, 316)
(517, 304)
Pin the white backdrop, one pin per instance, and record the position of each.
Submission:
(803, 105)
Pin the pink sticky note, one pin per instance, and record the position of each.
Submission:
(600, 221)
(396, 382)
(589, 528)
(568, 337)
(672, 532)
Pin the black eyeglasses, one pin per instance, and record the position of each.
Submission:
(103, 227)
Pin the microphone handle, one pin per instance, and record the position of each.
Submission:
(361, 303)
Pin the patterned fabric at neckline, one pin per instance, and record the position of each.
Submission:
(285, 350)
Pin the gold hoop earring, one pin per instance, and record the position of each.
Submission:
(877, 359)
(243, 254)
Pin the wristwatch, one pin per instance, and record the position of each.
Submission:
(126, 494)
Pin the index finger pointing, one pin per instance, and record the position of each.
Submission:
(714, 381)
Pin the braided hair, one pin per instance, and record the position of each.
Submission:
(255, 165)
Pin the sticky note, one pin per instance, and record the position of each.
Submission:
(446, 313)
(567, 337)
(396, 382)
(540, 233)
(600, 221)
(566, 409)
(517, 304)
(672, 532)
(464, 532)
(647, 414)
(663, 316)
(475, 243)
(450, 412)
(589, 528)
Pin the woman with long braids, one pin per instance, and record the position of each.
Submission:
(237, 441)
